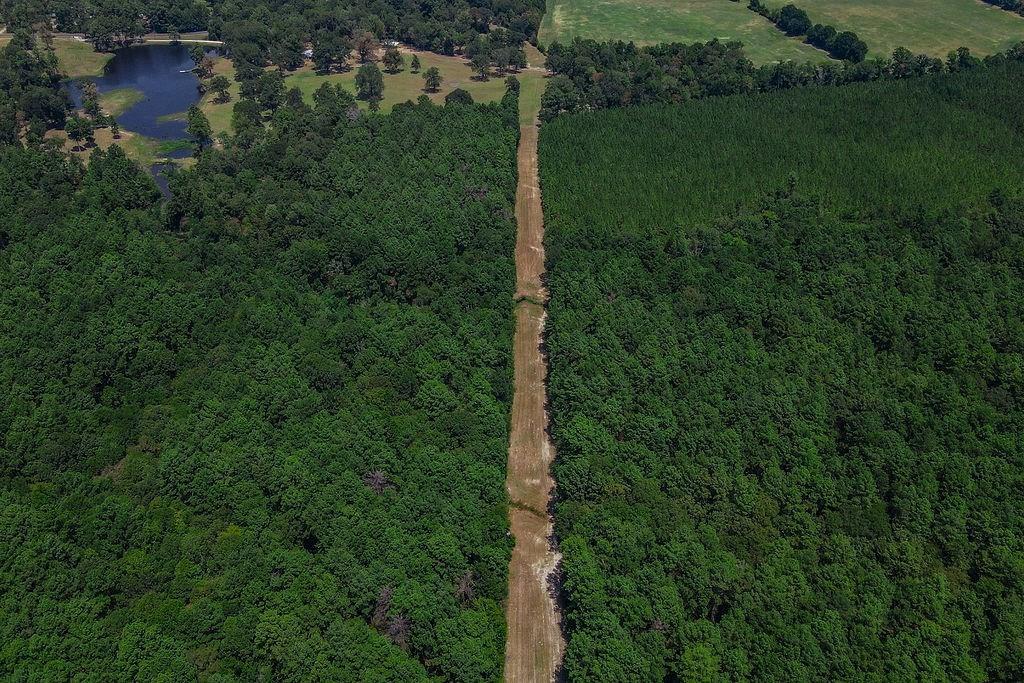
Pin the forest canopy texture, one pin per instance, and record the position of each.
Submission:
(260, 434)
(788, 422)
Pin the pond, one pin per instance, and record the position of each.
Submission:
(163, 74)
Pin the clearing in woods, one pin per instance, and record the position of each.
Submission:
(399, 87)
(76, 58)
(647, 22)
(533, 651)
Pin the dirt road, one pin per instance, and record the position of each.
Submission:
(533, 653)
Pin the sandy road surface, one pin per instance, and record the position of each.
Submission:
(533, 652)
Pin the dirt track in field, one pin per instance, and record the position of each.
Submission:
(533, 652)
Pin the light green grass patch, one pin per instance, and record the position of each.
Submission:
(648, 22)
(531, 87)
(405, 85)
(922, 26)
(176, 116)
(219, 113)
(118, 101)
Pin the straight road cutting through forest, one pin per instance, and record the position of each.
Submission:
(533, 652)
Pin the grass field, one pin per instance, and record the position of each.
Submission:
(648, 22)
(930, 26)
(398, 88)
(76, 58)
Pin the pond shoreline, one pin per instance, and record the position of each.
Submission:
(148, 87)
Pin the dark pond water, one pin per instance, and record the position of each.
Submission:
(163, 74)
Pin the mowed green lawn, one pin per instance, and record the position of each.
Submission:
(930, 26)
(647, 22)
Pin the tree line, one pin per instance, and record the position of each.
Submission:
(793, 21)
(32, 98)
(281, 33)
(787, 425)
(1009, 5)
(260, 431)
(590, 75)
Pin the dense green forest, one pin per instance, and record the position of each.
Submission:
(279, 30)
(260, 432)
(591, 75)
(786, 336)
(32, 97)
(857, 145)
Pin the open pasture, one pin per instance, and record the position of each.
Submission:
(648, 22)
(927, 26)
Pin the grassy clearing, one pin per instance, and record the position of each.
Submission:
(137, 147)
(531, 88)
(927, 26)
(219, 114)
(647, 22)
(117, 102)
(405, 85)
(145, 151)
(398, 88)
(76, 58)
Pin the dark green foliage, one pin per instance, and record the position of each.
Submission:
(432, 79)
(369, 83)
(788, 438)
(591, 75)
(198, 126)
(793, 21)
(277, 32)
(1008, 5)
(847, 45)
(260, 433)
(458, 96)
(939, 132)
(30, 87)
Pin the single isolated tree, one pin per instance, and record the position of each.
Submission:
(198, 126)
(370, 83)
(219, 86)
(393, 60)
(415, 65)
(432, 79)
(458, 96)
(78, 129)
(115, 128)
